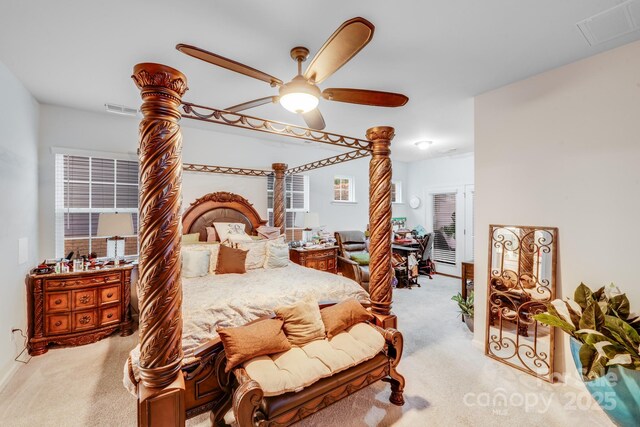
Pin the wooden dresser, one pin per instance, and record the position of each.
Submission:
(76, 308)
(323, 259)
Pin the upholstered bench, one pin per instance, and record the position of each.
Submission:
(282, 389)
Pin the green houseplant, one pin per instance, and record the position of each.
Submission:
(466, 308)
(605, 345)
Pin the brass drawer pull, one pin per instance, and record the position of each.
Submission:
(110, 294)
(85, 319)
(58, 323)
(85, 299)
(109, 316)
(58, 301)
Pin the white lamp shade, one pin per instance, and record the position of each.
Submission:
(115, 224)
(311, 220)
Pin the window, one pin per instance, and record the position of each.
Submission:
(343, 190)
(396, 192)
(444, 228)
(296, 202)
(86, 187)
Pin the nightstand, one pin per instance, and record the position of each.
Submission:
(78, 308)
(323, 259)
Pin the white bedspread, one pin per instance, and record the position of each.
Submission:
(235, 299)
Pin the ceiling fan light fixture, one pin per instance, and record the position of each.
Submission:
(423, 145)
(299, 96)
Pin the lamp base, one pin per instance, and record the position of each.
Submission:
(115, 248)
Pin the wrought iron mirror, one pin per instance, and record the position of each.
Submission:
(522, 279)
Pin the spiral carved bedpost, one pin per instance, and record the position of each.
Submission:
(380, 270)
(161, 391)
(279, 209)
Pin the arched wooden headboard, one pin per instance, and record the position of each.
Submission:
(221, 206)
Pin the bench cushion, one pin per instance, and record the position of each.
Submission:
(302, 366)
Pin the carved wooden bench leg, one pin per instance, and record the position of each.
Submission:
(395, 345)
(246, 400)
(397, 387)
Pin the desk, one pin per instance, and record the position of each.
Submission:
(405, 279)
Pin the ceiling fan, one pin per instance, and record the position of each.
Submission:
(301, 95)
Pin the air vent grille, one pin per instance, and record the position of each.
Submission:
(120, 109)
(612, 23)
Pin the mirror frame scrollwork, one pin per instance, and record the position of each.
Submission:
(513, 337)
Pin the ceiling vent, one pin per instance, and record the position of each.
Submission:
(121, 110)
(612, 23)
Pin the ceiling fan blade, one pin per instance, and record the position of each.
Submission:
(229, 64)
(314, 119)
(365, 97)
(251, 104)
(343, 45)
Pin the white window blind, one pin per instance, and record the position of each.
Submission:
(86, 187)
(343, 190)
(444, 228)
(296, 202)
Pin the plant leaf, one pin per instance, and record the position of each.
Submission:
(552, 320)
(593, 365)
(592, 317)
(573, 314)
(583, 296)
(620, 306)
(620, 359)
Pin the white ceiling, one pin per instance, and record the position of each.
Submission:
(440, 53)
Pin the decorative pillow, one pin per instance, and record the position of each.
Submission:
(342, 316)
(212, 236)
(195, 263)
(225, 228)
(243, 343)
(237, 238)
(191, 238)
(231, 260)
(214, 248)
(257, 252)
(268, 232)
(302, 321)
(277, 254)
(362, 258)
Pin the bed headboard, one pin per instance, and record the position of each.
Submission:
(220, 207)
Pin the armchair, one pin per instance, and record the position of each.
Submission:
(349, 243)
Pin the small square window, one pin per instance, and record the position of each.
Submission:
(343, 189)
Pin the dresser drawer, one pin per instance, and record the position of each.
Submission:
(57, 301)
(109, 315)
(109, 294)
(85, 320)
(82, 282)
(58, 324)
(84, 298)
(331, 264)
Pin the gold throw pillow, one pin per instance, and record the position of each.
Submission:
(231, 260)
(302, 321)
(260, 338)
(342, 316)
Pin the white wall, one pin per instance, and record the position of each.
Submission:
(73, 129)
(441, 174)
(18, 210)
(563, 149)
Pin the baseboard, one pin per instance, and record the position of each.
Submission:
(6, 378)
(448, 275)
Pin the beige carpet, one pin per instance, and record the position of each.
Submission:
(449, 382)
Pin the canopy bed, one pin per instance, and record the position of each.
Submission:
(170, 389)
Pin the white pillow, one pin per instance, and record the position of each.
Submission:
(277, 254)
(237, 238)
(213, 248)
(257, 252)
(224, 229)
(195, 263)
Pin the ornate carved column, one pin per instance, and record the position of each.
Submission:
(380, 270)
(279, 208)
(159, 230)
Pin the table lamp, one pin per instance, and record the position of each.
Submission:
(114, 226)
(311, 220)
